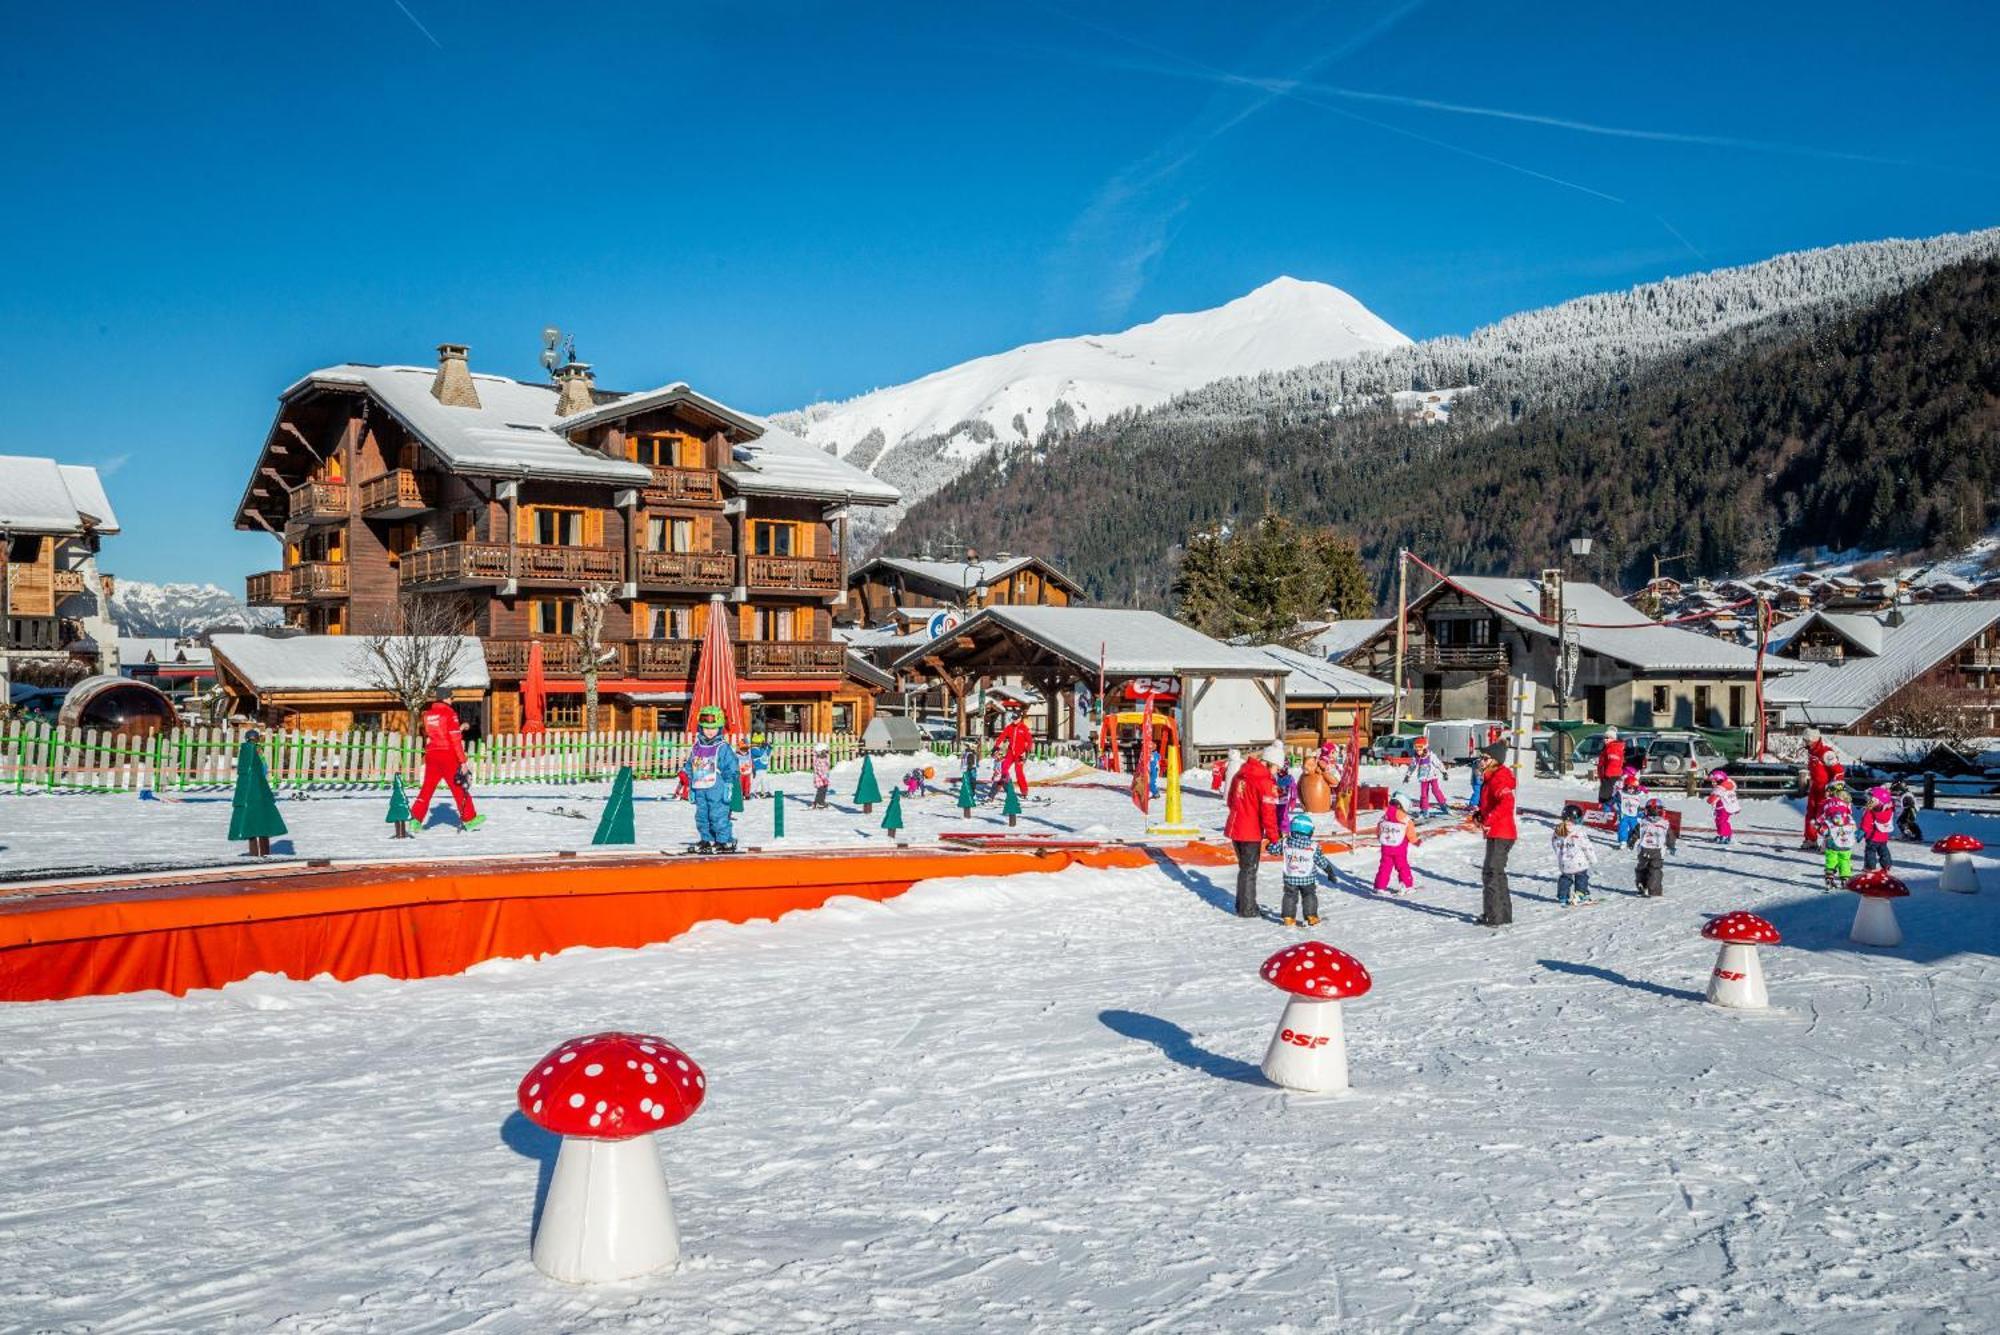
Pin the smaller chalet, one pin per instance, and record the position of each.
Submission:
(55, 626)
(1855, 663)
(904, 592)
(1323, 700)
(324, 682)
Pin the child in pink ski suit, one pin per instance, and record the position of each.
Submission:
(1878, 826)
(1397, 834)
(1428, 771)
(1722, 796)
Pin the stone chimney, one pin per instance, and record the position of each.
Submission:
(1551, 594)
(573, 384)
(453, 386)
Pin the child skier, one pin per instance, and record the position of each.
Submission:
(1838, 835)
(1722, 796)
(1575, 856)
(1288, 792)
(1428, 772)
(1878, 823)
(822, 774)
(760, 764)
(1654, 836)
(1906, 812)
(1397, 834)
(1632, 799)
(1301, 875)
(710, 766)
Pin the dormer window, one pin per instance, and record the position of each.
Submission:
(664, 450)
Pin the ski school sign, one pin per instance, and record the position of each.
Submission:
(1152, 690)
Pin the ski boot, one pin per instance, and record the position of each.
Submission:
(475, 823)
(1312, 922)
(704, 848)
(1291, 922)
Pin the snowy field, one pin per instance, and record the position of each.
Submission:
(1034, 1104)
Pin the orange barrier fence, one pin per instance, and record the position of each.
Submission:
(420, 921)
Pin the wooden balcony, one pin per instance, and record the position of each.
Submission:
(661, 660)
(398, 494)
(686, 570)
(561, 657)
(269, 588)
(319, 579)
(684, 486)
(459, 565)
(68, 582)
(319, 503)
(672, 660)
(1449, 658)
(795, 574)
(790, 658)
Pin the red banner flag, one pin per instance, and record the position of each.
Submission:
(1142, 773)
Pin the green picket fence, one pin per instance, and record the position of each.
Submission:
(35, 757)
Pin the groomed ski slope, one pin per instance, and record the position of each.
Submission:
(1033, 1104)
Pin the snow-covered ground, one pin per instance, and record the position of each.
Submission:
(1034, 1104)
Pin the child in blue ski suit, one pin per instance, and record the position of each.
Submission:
(1632, 798)
(760, 764)
(710, 767)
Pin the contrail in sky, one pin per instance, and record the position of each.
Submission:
(420, 24)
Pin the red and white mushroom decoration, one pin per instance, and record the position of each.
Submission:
(1309, 1050)
(608, 1215)
(1960, 876)
(1738, 978)
(1875, 920)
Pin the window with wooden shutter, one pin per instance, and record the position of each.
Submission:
(506, 711)
(593, 528)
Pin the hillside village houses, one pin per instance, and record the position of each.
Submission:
(55, 626)
(393, 488)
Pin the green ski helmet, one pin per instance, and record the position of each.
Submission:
(710, 716)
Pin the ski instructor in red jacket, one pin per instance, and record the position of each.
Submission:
(1253, 822)
(1012, 744)
(444, 762)
(1496, 818)
(1610, 768)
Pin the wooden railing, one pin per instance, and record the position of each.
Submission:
(268, 588)
(319, 579)
(319, 501)
(68, 582)
(401, 491)
(670, 659)
(795, 574)
(487, 563)
(684, 486)
(790, 658)
(561, 657)
(1456, 657)
(704, 570)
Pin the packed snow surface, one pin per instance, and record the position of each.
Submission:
(1034, 1104)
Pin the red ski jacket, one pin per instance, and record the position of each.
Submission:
(1016, 739)
(444, 745)
(1253, 804)
(1496, 804)
(1611, 760)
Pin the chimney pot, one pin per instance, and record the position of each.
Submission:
(573, 385)
(453, 385)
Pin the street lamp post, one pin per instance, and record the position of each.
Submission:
(1566, 652)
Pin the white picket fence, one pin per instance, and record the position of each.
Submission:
(37, 758)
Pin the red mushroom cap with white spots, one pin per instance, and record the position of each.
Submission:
(1877, 884)
(612, 1087)
(1741, 929)
(1957, 843)
(1316, 970)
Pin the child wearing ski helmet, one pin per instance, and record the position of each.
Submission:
(710, 767)
(760, 764)
(1722, 796)
(1428, 772)
(1837, 836)
(1906, 812)
(822, 773)
(1575, 856)
(1397, 835)
(1654, 836)
(1301, 875)
(1878, 824)
(1632, 799)
(1288, 791)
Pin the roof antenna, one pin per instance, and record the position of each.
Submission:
(558, 349)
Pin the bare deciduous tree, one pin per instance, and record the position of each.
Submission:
(590, 610)
(413, 658)
(1931, 712)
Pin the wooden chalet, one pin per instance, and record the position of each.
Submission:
(1857, 665)
(903, 592)
(395, 490)
(55, 626)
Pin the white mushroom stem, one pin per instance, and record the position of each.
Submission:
(1309, 1049)
(1738, 979)
(608, 1215)
(1959, 876)
(1875, 923)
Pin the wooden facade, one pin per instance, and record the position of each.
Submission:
(886, 591)
(374, 522)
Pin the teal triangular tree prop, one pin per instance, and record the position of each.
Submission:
(866, 792)
(615, 825)
(399, 809)
(1012, 809)
(892, 819)
(736, 794)
(968, 792)
(777, 815)
(253, 808)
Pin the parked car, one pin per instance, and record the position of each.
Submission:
(41, 703)
(937, 728)
(1394, 749)
(1675, 753)
(1583, 760)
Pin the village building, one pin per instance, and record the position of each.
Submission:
(906, 593)
(432, 499)
(166, 661)
(1473, 640)
(1324, 701)
(1083, 661)
(330, 682)
(55, 625)
(1860, 671)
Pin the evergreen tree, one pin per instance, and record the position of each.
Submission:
(892, 819)
(1011, 809)
(253, 807)
(399, 808)
(968, 791)
(866, 791)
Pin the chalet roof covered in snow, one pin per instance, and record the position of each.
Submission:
(43, 496)
(666, 396)
(326, 663)
(1131, 642)
(964, 577)
(164, 650)
(1335, 640)
(1839, 694)
(778, 463)
(1611, 627)
(1308, 677)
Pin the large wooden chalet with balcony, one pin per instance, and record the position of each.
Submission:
(397, 488)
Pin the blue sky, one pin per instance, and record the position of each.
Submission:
(792, 201)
